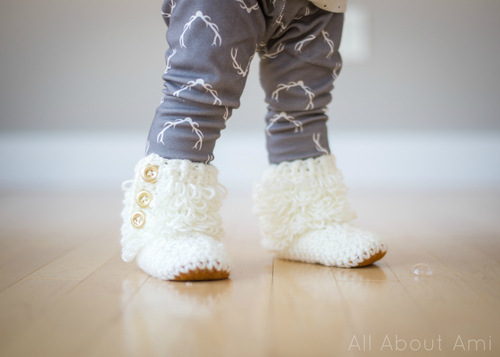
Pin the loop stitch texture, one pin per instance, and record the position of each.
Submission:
(183, 228)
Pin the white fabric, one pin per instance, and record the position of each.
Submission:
(331, 5)
(303, 211)
(165, 258)
(183, 228)
(340, 245)
(298, 196)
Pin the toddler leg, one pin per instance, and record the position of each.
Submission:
(171, 221)
(211, 46)
(301, 201)
(298, 83)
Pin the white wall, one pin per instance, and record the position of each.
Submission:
(368, 161)
(96, 66)
(80, 82)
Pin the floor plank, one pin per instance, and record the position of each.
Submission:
(479, 271)
(486, 243)
(28, 257)
(383, 312)
(307, 315)
(64, 290)
(81, 316)
(222, 318)
(27, 301)
(78, 263)
(378, 271)
(446, 300)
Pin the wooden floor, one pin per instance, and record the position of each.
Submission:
(64, 290)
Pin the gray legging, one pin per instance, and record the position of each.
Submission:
(211, 46)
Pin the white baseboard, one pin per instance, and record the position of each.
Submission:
(368, 160)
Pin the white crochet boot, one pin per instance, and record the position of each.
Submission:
(303, 212)
(171, 222)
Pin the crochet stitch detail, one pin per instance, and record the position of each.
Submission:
(294, 198)
(182, 218)
(167, 258)
(340, 245)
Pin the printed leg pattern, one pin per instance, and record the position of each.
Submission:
(207, 65)
(301, 201)
(171, 225)
(298, 78)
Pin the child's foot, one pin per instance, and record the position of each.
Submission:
(171, 221)
(338, 245)
(183, 258)
(303, 212)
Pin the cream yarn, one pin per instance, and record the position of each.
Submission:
(182, 228)
(303, 212)
(339, 244)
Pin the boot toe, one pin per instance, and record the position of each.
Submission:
(183, 258)
(337, 245)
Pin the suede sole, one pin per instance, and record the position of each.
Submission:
(371, 259)
(202, 274)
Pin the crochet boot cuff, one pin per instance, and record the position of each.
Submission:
(296, 197)
(169, 198)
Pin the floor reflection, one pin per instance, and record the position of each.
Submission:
(165, 313)
(375, 272)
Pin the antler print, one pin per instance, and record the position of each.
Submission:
(306, 89)
(206, 20)
(308, 11)
(280, 48)
(237, 66)
(280, 23)
(248, 9)
(207, 87)
(335, 70)
(316, 137)
(168, 61)
(226, 114)
(329, 42)
(209, 158)
(283, 115)
(298, 46)
(166, 14)
(194, 127)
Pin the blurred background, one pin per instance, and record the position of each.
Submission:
(415, 127)
(417, 105)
